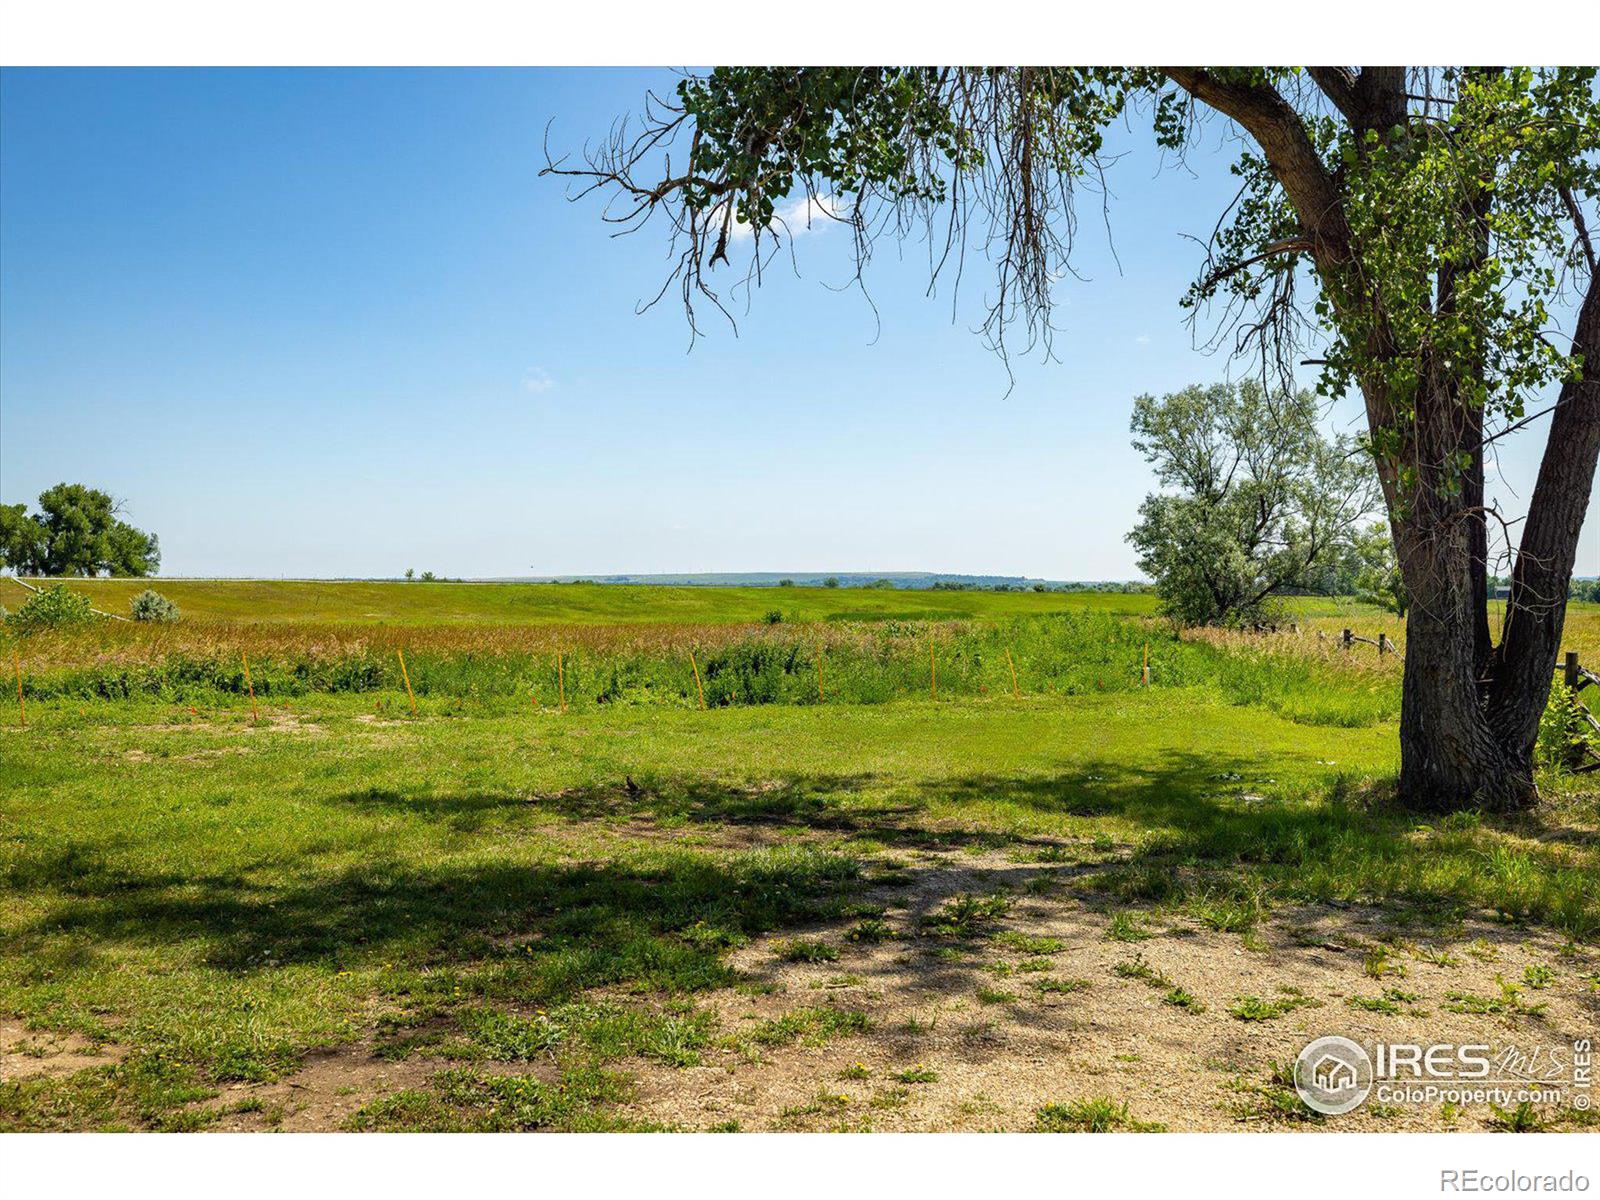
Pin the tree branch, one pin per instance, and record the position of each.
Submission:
(1578, 223)
(1338, 84)
(1282, 136)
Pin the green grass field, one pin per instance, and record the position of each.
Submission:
(569, 603)
(860, 911)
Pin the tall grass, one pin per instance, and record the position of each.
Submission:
(832, 662)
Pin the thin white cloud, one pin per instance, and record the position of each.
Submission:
(1143, 339)
(801, 215)
(537, 381)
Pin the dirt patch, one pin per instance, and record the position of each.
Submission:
(700, 837)
(28, 1054)
(1041, 1006)
(272, 720)
(985, 1046)
(1060, 997)
(323, 1095)
(194, 756)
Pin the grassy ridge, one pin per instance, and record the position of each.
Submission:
(378, 602)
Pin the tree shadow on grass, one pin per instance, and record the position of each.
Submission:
(1212, 825)
(831, 804)
(660, 909)
(661, 917)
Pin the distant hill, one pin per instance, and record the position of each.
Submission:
(905, 580)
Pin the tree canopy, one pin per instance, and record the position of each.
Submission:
(1256, 500)
(76, 532)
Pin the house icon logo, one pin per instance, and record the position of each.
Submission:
(1333, 1075)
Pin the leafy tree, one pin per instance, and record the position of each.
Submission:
(1255, 501)
(76, 532)
(1379, 579)
(832, 581)
(1409, 228)
(21, 538)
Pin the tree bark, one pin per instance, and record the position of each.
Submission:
(1451, 756)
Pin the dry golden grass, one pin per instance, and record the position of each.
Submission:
(129, 644)
(1581, 631)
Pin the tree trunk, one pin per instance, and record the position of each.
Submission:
(1464, 745)
(1451, 757)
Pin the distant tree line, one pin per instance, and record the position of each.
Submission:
(77, 531)
(1585, 589)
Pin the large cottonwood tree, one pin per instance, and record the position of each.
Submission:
(1410, 228)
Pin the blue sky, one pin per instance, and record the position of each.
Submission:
(333, 323)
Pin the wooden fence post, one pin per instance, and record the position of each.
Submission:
(1144, 677)
(254, 714)
(406, 675)
(561, 681)
(1016, 691)
(696, 668)
(1571, 672)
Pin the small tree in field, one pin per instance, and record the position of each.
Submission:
(1256, 499)
(1412, 229)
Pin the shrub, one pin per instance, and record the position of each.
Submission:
(773, 617)
(1562, 732)
(151, 605)
(54, 606)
